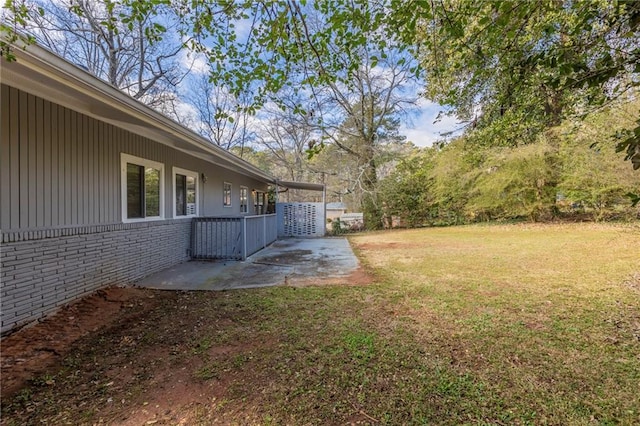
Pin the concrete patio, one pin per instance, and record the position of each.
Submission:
(290, 261)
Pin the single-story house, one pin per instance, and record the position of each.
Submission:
(335, 210)
(98, 189)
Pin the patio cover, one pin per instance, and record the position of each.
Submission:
(302, 185)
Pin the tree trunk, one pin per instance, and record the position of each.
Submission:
(370, 207)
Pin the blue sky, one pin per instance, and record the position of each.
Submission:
(422, 130)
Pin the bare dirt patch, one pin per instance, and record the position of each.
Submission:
(133, 356)
(392, 245)
(32, 349)
(38, 347)
(124, 356)
(359, 277)
(633, 282)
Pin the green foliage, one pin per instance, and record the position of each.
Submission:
(406, 191)
(594, 178)
(455, 170)
(289, 44)
(630, 144)
(514, 183)
(511, 70)
(13, 16)
(519, 67)
(336, 227)
(573, 170)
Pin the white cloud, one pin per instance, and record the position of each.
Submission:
(185, 110)
(243, 28)
(197, 62)
(423, 130)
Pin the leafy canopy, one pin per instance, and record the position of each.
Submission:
(516, 68)
(513, 67)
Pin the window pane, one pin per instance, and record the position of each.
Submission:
(191, 195)
(243, 200)
(255, 203)
(134, 191)
(152, 192)
(259, 203)
(181, 190)
(227, 194)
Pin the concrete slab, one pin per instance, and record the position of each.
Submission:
(289, 261)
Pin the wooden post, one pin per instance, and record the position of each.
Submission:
(244, 238)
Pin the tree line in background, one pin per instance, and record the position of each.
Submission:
(570, 172)
(317, 91)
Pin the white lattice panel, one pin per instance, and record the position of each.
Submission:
(300, 219)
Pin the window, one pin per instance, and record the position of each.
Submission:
(244, 199)
(185, 193)
(226, 195)
(259, 203)
(142, 189)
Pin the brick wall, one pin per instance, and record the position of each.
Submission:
(41, 271)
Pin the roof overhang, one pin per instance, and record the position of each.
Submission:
(46, 75)
(301, 185)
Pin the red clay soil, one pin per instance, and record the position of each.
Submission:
(163, 383)
(357, 278)
(32, 349)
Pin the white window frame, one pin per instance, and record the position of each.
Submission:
(259, 196)
(127, 158)
(188, 173)
(224, 195)
(244, 208)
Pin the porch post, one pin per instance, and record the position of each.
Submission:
(324, 208)
(244, 238)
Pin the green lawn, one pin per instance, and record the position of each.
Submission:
(523, 324)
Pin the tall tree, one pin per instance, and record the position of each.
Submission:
(138, 57)
(360, 113)
(287, 136)
(407, 193)
(512, 67)
(516, 68)
(218, 115)
(369, 127)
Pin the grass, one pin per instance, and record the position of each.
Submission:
(520, 324)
